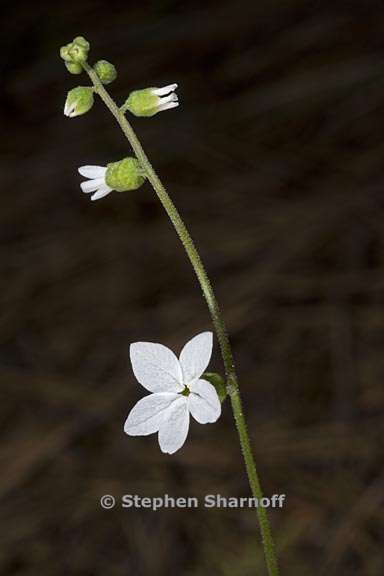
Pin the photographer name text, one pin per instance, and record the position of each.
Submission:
(208, 501)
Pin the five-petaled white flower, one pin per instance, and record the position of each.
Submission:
(177, 391)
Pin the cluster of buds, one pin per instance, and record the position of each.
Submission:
(127, 174)
(75, 54)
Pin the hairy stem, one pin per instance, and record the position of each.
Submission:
(217, 318)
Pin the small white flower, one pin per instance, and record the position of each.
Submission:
(150, 101)
(177, 391)
(126, 174)
(96, 182)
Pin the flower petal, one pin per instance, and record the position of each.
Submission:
(91, 185)
(164, 90)
(174, 430)
(156, 367)
(103, 190)
(168, 106)
(203, 402)
(92, 171)
(149, 413)
(68, 109)
(195, 356)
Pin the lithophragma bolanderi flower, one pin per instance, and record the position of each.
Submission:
(150, 101)
(121, 176)
(177, 390)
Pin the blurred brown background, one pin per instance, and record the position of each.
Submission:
(275, 158)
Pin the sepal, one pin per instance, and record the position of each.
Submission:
(124, 175)
(218, 382)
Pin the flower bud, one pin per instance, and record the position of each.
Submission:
(105, 71)
(79, 101)
(126, 174)
(78, 50)
(73, 67)
(81, 41)
(149, 101)
(64, 53)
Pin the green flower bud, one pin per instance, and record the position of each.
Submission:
(82, 42)
(105, 71)
(151, 100)
(218, 382)
(74, 67)
(64, 53)
(79, 101)
(75, 52)
(78, 53)
(124, 175)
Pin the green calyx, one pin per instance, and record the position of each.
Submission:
(106, 71)
(142, 103)
(125, 175)
(79, 101)
(218, 382)
(75, 54)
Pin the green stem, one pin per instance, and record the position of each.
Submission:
(217, 318)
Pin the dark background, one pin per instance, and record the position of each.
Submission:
(276, 160)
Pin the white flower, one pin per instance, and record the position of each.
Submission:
(96, 182)
(177, 391)
(126, 174)
(150, 101)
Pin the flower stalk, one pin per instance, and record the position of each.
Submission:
(217, 318)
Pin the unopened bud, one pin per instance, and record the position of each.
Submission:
(76, 52)
(105, 71)
(79, 101)
(74, 67)
(64, 53)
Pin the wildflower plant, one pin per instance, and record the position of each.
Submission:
(179, 387)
